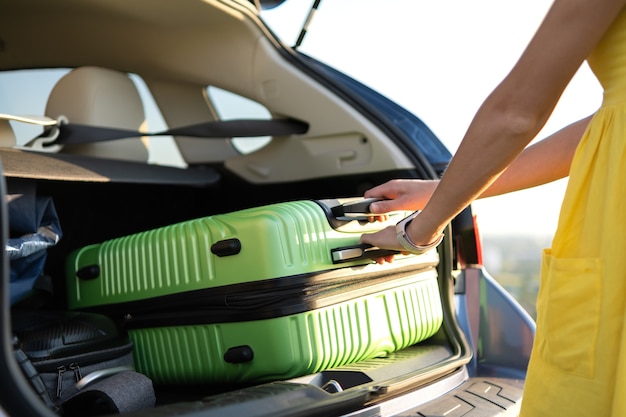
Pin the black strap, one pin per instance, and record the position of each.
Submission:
(32, 375)
(76, 133)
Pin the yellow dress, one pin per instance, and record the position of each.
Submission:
(578, 363)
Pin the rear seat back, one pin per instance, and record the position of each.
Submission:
(100, 97)
(7, 136)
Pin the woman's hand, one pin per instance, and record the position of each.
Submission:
(401, 194)
(384, 239)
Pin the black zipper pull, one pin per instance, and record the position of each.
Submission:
(60, 371)
(76, 368)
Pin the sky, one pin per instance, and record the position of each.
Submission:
(440, 59)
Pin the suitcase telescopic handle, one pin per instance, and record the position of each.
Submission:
(359, 252)
(356, 207)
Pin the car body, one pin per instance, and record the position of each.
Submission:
(187, 55)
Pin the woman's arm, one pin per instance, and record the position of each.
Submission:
(513, 114)
(541, 163)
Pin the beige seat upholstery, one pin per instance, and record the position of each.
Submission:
(100, 97)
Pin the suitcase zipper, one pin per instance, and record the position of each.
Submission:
(75, 362)
(259, 300)
(75, 367)
(61, 370)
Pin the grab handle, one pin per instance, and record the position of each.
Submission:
(359, 252)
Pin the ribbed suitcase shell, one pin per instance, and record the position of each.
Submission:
(273, 242)
(290, 346)
(276, 240)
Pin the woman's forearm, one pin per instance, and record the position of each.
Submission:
(541, 163)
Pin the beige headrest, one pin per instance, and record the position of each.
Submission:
(100, 97)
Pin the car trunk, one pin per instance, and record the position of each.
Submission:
(91, 212)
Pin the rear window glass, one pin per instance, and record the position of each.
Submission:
(233, 106)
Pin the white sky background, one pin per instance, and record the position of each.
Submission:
(440, 59)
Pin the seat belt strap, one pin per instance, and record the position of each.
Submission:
(70, 133)
(61, 132)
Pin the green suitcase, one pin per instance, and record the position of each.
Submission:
(260, 294)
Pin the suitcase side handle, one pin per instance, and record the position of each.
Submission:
(359, 252)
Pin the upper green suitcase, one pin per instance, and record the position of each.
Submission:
(271, 241)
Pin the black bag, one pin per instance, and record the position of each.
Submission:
(76, 356)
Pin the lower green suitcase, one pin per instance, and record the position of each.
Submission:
(365, 327)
